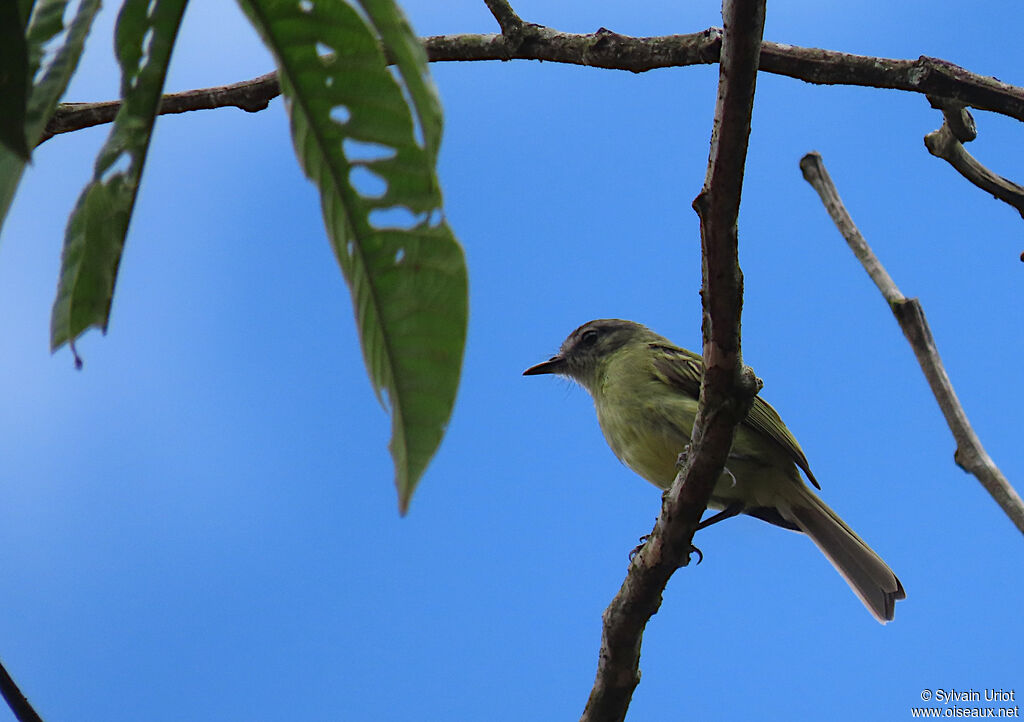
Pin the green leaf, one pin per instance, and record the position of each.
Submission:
(353, 129)
(94, 239)
(13, 80)
(411, 62)
(46, 38)
(25, 11)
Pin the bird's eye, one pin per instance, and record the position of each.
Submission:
(589, 338)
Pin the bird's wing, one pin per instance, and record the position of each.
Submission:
(682, 370)
(767, 421)
(678, 368)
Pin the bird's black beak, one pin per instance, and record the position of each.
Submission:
(554, 365)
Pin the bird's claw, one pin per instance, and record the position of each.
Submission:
(645, 537)
(638, 547)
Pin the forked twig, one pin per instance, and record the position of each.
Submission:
(947, 143)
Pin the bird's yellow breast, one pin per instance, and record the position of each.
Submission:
(646, 424)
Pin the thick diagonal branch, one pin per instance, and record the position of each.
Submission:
(970, 454)
(725, 394)
(18, 703)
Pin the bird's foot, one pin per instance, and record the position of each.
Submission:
(638, 547)
(643, 541)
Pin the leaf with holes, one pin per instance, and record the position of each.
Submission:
(368, 139)
(95, 234)
(53, 53)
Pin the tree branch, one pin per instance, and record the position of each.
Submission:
(19, 704)
(249, 95)
(947, 143)
(970, 455)
(507, 19)
(605, 49)
(727, 388)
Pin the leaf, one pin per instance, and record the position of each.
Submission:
(46, 39)
(356, 138)
(25, 11)
(13, 80)
(411, 61)
(95, 235)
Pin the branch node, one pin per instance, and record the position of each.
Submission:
(508, 21)
(958, 127)
(748, 384)
(956, 115)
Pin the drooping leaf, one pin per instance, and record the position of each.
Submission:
(95, 234)
(53, 53)
(13, 80)
(356, 138)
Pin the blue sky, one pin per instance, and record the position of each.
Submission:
(202, 523)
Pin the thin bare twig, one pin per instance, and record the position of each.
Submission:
(970, 455)
(605, 49)
(727, 388)
(250, 95)
(947, 143)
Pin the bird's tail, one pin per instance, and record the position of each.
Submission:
(868, 576)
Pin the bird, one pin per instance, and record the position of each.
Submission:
(645, 391)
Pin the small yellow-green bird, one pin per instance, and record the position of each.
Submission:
(645, 390)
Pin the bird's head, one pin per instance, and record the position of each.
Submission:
(584, 355)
